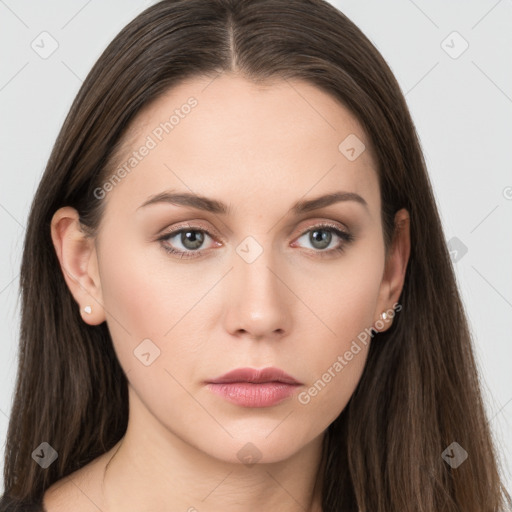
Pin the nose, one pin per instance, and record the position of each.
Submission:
(259, 302)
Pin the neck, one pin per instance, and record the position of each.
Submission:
(161, 472)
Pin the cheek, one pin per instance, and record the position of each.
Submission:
(335, 364)
(144, 298)
(344, 296)
(346, 306)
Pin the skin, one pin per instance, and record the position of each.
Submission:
(259, 149)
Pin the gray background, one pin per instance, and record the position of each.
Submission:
(461, 105)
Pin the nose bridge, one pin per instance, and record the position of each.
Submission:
(258, 303)
(255, 268)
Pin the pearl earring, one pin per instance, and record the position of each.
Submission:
(88, 310)
(384, 316)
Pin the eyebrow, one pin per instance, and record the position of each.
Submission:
(214, 206)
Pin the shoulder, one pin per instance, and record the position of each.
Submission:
(58, 496)
(80, 491)
(65, 495)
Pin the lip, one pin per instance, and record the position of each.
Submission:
(249, 387)
(253, 375)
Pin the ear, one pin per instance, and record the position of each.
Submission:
(78, 260)
(394, 271)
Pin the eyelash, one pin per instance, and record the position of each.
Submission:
(346, 237)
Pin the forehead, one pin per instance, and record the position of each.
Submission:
(227, 137)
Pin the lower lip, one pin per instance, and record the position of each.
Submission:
(247, 394)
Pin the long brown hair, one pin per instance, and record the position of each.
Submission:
(419, 391)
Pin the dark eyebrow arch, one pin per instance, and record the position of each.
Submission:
(327, 200)
(218, 207)
(189, 199)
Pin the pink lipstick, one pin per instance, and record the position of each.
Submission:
(248, 387)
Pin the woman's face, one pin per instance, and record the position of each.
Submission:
(262, 277)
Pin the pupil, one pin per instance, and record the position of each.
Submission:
(191, 240)
(324, 239)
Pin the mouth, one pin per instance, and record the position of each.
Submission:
(254, 376)
(248, 387)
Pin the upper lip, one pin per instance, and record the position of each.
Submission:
(269, 374)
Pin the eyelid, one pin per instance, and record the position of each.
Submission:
(324, 223)
(190, 224)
